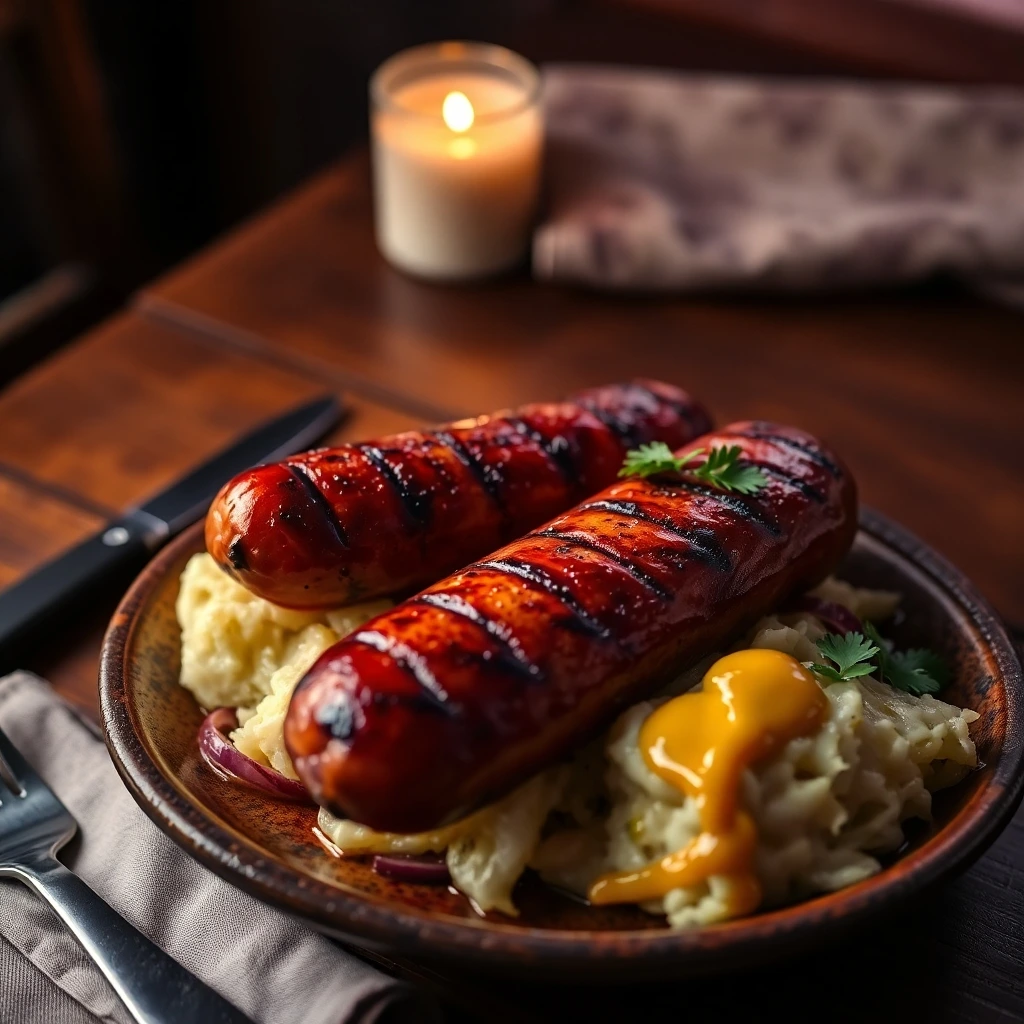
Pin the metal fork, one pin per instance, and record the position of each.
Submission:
(34, 825)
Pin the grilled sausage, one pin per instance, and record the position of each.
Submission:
(455, 696)
(343, 524)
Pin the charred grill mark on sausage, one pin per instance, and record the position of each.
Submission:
(488, 478)
(511, 653)
(412, 663)
(417, 505)
(625, 431)
(539, 578)
(787, 478)
(558, 448)
(742, 508)
(813, 453)
(236, 555)
(304, 476)
(685, 409)
(703, 542)
(339, 714)
(575, 540)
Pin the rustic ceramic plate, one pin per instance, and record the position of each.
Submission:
(269, 848)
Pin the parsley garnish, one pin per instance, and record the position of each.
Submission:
(650, 459)
(720, 468)
(850, 656)
(916, 671)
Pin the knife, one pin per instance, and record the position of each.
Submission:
(125, 543)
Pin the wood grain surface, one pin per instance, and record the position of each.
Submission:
(134, 404)
(115, 417)
(920, 391)
(35, 526)
(917, 391)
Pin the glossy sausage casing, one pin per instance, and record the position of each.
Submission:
(460, 693)
(343, 524)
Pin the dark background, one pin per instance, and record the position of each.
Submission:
(133, 132)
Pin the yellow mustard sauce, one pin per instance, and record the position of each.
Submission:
(753, 703)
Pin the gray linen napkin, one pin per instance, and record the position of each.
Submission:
(663, 181)
(269, 965)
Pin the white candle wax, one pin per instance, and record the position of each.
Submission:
(457, 199)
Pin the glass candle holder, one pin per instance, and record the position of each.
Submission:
(457, 138)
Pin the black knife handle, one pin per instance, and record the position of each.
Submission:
(121, 546)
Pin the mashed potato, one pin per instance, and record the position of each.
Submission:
(826, 805)
(240, 651)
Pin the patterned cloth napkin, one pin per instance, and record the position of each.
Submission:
(270, 966)
(661, 181)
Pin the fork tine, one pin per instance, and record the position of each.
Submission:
(14, 769)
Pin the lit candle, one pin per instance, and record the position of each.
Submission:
(457, 137)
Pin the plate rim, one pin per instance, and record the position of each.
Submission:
(384, 925)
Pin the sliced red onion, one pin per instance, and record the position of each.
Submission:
(420, 870)
(837, 618)
(230, 763)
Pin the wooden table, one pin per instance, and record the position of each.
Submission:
(919, 390)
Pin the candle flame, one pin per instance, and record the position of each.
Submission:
(457, 112)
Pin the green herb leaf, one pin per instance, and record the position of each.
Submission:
(921, 659)
(826, 672)
(856, 671)
(916, 671)
(846, 651)
(850, 656)
(653, 458)
(883, 645)
(915, 681)
(721, 468)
